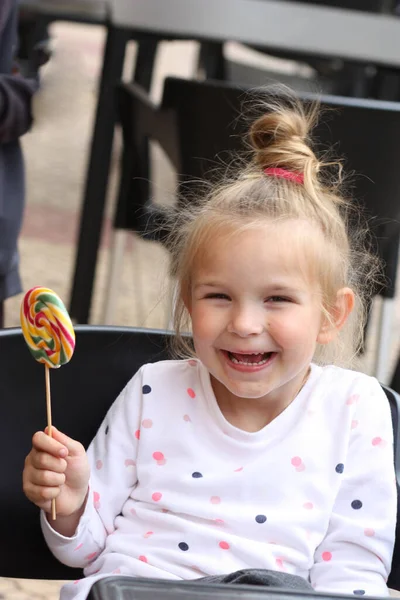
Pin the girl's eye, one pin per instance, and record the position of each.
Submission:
(217, 296)
(277, 299)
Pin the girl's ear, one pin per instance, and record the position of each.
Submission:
(338, 316)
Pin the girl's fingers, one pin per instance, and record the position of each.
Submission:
(41, 495)
(74, 448)
(44, 443)
(46, 478)
(43, 460)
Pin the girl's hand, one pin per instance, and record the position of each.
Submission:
(56, 467)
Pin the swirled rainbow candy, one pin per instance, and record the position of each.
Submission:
(47, 327)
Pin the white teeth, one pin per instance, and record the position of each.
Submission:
(241, 362)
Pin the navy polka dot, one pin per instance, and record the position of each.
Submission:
(197, 475)
(356, 504)
(107, 428)
(339, 468)
(183, 546)
(359, 592)
(261, 518)
(146, 389)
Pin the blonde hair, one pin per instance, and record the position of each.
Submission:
(280, 138)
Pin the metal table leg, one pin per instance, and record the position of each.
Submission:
(97, 176)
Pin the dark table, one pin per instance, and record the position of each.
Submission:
(88, 11)
(278, 24)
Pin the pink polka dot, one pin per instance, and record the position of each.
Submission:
(191, 393)
(279, 563)
(369, 532)
(158, 456)
(96, 500)
(326, 556)
(148, 534)
(192, 363)
(215, 500)
(238, 470)
(99, 464)
(378, 441)
(354, 424)
(79, 546)
(187, 418)
(296, 461)
(137, 434)
(76, 581)
(353, 399)
(156, 496)
(91, 556)
(117, 571)
(130, 463)
(147, 423)
(219, 522)
(301, 467)
(133, 511)
(308, 505)
(224, 545)
(143, 558)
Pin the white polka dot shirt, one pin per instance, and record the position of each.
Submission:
(177, 492)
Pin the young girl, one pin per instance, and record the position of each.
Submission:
(256, 452)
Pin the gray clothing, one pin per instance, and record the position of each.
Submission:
(263, 577)
(15, 120)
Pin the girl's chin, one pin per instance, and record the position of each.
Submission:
(240, 390)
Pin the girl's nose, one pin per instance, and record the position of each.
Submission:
(246, 321)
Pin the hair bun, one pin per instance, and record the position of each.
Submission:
(280, 137)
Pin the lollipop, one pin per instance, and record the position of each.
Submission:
(50, 337)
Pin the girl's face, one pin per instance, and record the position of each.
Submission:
(256, 315)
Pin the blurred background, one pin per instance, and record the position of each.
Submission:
(62, 44)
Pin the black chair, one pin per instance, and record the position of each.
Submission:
(197, 124)
(82, 391)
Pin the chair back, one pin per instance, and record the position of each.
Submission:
(209, 128)
(82, 391)
(105, 359)
(394, 401)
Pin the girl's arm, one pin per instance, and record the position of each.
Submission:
(112, 458)
(356, 553)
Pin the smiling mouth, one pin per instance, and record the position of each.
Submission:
(251, 359)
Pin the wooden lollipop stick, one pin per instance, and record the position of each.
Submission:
(49, 427)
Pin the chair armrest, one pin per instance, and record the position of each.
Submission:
(141, 119)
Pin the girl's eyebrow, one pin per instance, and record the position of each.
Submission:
(208, 284)
(271, 288)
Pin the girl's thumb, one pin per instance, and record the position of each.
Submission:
(74, 448)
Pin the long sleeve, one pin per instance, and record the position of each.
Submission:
(15, 91)
(15, 106)
(112, 458)
(355, 555)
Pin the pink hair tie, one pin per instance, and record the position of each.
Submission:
(284, 174)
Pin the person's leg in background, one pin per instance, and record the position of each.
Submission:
(15, 119)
